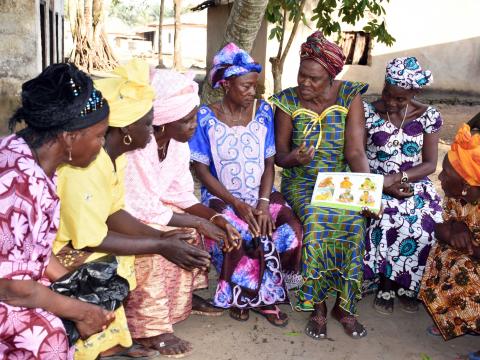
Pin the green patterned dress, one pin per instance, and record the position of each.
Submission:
(333, 243)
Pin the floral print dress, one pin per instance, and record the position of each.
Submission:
(29, 217)
(397, 245)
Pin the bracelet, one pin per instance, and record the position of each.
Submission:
(214, 216)
(404, 178)
(264, 199)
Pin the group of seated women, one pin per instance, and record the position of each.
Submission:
(104, 168)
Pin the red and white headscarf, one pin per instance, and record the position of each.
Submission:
(326, 53)
(175, 95)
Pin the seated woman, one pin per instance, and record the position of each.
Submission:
(65, 121)
(451, 284)
(233, 152)
(159, 192)
(320, 127)
(92, 218)
(402, 145)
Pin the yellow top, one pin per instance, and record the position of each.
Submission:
(88, 196)
(317, 119)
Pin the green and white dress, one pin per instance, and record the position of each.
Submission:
(333, 243)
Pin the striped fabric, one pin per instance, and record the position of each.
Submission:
(333, 243)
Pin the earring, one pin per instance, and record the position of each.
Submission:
(464, 192)
(69, 155)
(127, 139)
(163, 129)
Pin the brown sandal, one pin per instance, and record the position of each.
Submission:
(239, 314)
(351, 325)
(203, 307)
(266, 313)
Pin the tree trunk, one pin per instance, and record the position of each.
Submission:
(243, 24)
(279, 60)
(177, 47)
(91, 50)
(160, 29)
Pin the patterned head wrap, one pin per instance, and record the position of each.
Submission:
(129, 94)
(176, 95)
(231, 61)
(465, 155)
(326, 53)
(406, 73)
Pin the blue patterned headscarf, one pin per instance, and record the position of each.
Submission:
(406, 73)
(231, 61)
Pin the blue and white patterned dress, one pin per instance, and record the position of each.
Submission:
(254, 275)
(398, 244)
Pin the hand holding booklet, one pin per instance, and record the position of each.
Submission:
(350, 191)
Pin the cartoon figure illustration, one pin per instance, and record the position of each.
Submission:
(366, 199)
(327, 182)
(346, 196)
(346, 183)
(368, 184)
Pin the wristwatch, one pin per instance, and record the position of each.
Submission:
(404, 178)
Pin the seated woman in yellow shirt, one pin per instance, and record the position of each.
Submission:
(92, 219)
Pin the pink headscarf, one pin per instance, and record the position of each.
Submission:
(175, 95)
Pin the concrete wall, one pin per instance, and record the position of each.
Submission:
(20, 57)
(21, 47)
(443, 34)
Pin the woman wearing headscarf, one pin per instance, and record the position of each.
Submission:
(450, 287)
(233, 156)
(402, 145)
(93, 221)
(319, 127)
(65, 120)
(159, 191)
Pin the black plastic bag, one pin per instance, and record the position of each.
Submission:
(95, 282)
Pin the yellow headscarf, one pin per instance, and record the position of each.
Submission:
(465, 155)
(129, 94)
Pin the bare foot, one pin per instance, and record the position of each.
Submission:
(350, 323)
(317, 324)
(239, 314)
(168, 345)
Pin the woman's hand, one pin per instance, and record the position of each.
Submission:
(264, 220)
(91, 319)
(461, 238)
(210, 230)
(248, 214)
(302, 154)
(372, 215)
(398, 190)
(233, 240)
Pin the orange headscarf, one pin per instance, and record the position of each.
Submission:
(465, 155)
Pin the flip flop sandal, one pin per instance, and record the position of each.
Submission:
(238, 316)
(204, 308)
(136, 351)
(319, 320)
(349, 321)
(275, 312)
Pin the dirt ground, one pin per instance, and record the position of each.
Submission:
(401, 336)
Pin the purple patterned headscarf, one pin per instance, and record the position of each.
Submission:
(406, 73)
(231, 61)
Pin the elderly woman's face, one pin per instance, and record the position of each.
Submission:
(396, 98)
(141, 131)
(181, 130)
(242, 89)
(312, 79)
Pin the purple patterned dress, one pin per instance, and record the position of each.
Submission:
(398, 244)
